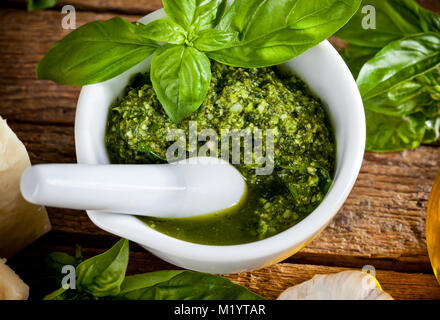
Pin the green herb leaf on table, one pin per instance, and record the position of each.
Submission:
(182, 285)
(57, 260)
(54, 264)
(195, 14)
(396, 66)
(399, 61)
(395, 19)
(34, 5)
(266, 41)
(181, 77)
(96, 52)
(102, 275)
(165, 30)
(403, 99)
(388, 133)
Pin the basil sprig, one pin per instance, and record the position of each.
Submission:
(397, 70)
(103, 277)
(250, 33)
(398, 63)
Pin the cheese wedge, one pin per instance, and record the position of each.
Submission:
(20, 222)
(11, 286)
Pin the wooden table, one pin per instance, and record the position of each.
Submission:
(381, 224)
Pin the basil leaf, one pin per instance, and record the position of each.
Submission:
(394, 19)
(405, 98)
(96, 52)
(399, 61)
(57, 260)
(432, 130)
(102, 275)
(165, 30)
(54, 264)
(182, 285)
(34, 5)
(212, 39)
(387, 133)
(356, 57)
(200, 14)
(181, 77)
(273, 32)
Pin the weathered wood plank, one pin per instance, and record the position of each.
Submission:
(117, 6)
(271, 281)
(382, 223)
(24, 39)
(144, 6)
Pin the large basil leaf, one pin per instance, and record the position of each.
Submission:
(34, 5)
(165, 30)
(182, 285)
(270, 34)
(388, 133)
(405, 98)
(102, 275)
(96, 52)
(212, 39)
(181, 77)
(398, 62)
(199, 14)
(394, 20)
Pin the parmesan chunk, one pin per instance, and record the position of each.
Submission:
(11, 286)
(20, 222)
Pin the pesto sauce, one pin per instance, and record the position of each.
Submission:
(238, 98)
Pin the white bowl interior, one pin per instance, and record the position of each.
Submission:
(327, 77)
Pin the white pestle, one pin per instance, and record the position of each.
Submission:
(187, 188)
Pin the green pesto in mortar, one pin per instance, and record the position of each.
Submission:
(238, 98)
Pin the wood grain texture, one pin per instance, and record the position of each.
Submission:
(271, 281)
(24, 39)
(116, 6)
(141, 6)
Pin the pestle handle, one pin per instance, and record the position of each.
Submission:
(165, 190)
